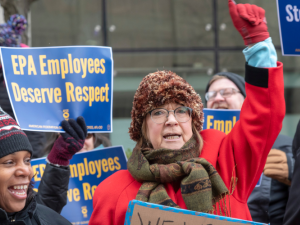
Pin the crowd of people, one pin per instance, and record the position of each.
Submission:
(175, 162)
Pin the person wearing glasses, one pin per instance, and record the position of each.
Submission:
(175, 162)
(268, 200)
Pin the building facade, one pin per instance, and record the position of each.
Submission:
(194, 38)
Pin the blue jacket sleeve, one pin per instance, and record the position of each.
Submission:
(262, 54)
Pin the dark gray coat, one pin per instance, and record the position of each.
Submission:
(268, 200)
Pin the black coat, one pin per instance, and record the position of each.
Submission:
(292, 212)
(267, 202)
(45, 206)
(53, 187)
(33, 214)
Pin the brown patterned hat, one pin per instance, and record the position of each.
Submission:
(157, 89)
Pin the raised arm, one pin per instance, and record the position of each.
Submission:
(55, 181)
(247, 146)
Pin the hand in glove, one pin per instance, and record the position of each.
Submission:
(250, 21)
(69, 142)
(277, 166)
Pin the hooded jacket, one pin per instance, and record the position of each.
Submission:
(241, 154)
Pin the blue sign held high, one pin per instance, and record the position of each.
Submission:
(48, 85)
(289, 26)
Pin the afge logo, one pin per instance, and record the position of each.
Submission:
(293, 13)
(84, 211)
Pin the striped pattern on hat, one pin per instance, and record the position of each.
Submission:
(12, 138)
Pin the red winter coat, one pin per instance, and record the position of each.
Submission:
(245, 148)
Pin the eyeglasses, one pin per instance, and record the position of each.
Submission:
(160, 115)
(225, 93)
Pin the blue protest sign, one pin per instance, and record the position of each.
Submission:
(289, 26)
(87, 169)
(219, 119)
(139, 213)
(48, 85)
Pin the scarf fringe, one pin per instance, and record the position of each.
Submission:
(220, 201)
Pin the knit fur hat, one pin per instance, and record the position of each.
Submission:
(157, 89)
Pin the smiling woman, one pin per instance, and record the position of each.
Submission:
(18, 203)
(16, 174)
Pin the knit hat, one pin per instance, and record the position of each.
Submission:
(10, 32)
(12, 138)
(237, 79)
(157, 89)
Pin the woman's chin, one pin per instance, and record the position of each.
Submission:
(172, 146)
(16, 207)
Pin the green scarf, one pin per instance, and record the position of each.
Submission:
(201, 185)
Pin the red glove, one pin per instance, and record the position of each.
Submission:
(69, 142)
(250, 21)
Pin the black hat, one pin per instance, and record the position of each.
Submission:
(237, 79)
(12, 138)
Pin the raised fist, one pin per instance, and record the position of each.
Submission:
(69, 142)
(250, 21)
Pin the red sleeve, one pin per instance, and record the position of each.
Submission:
(110, 199)
(248, 144)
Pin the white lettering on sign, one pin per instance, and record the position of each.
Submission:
(293, 13)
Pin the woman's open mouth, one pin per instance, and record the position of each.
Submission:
(18, 191)
(171, 137)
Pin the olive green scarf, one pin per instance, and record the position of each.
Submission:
(201, 185)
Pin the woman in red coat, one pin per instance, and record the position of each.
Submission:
(177, 164)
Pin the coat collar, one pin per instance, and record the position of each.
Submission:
(28, 210)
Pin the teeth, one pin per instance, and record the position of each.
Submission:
(21, 187)
(172, 137)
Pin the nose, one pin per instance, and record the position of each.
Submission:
(171, 120)
(23, 170)
(219, 97)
